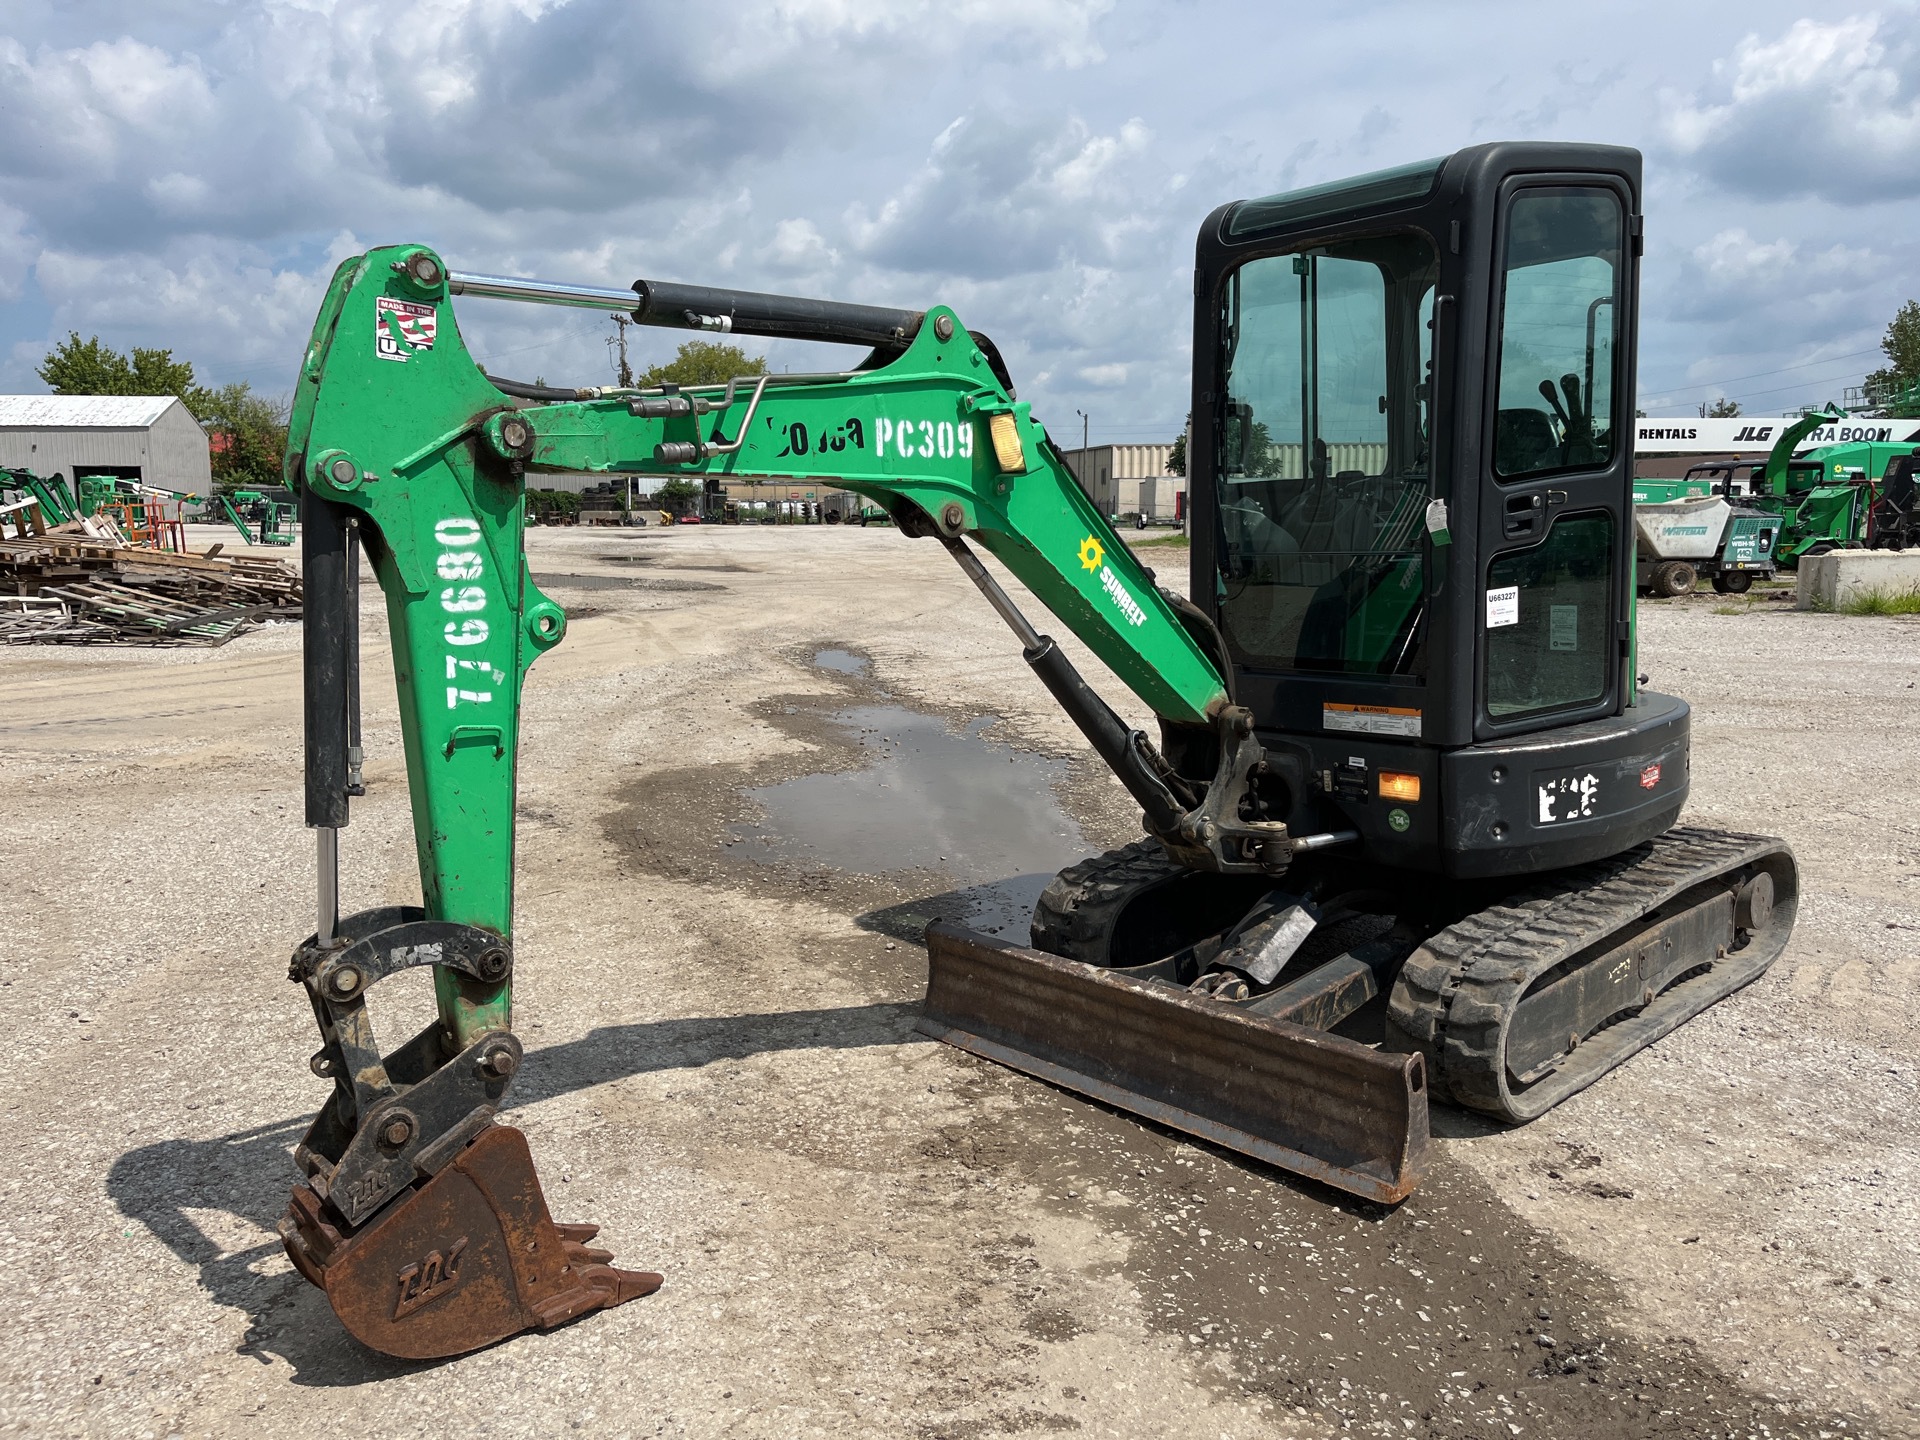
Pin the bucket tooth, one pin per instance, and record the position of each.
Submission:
(1316, 1104)
(469, 1258)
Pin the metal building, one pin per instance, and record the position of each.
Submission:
(1128, 479)
(151, 438)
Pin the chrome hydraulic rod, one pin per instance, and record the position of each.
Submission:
(542, 292)
(327, 862)
(1030, 638)
(1325, 840)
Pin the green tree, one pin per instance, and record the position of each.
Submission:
(87, 367)
(704, 362)
(1262, 457)
(247, 436)
(677, 495)
(552, 507)
(1902, 346)
(1177, 456)
(1721, 409)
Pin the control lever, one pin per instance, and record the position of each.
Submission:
(1571, 384)
(1553, 399)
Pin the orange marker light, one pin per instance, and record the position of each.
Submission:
(1008, 453)
(1395, 786)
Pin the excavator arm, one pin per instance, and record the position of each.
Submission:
(401, 444)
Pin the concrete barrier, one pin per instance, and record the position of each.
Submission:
(1827, 582)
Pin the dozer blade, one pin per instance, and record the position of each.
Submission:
(469, 1258)
(1316, 1104)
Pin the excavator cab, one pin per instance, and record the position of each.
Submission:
(1413, 562)
(1412, 512)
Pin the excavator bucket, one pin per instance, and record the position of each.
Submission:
(1316, 1104)
(466, 1260)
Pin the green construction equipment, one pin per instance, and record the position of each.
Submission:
(1822, 500)
(1410, 823)
(49, 492)
(1681, 541)
(93, 491)
(223, 507)
(261, 519)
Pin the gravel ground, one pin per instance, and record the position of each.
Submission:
(864, 1232)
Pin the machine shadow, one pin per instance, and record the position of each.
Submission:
(1003, 908)
(248, 1174)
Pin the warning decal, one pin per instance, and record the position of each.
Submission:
(1371, 719)
(401, 327)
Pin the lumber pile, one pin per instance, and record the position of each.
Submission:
(82, 586)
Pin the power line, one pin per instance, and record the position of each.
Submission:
(1825, 380)
(1759, 374)
(538, 345)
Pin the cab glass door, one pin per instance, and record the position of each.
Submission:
(1555, 505)
(1325, 466)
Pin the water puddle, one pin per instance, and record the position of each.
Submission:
(620, 582)
(671, 562)
(929, 797)
(842, 662)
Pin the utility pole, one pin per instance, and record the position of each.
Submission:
(617, 341)
(1085, 484)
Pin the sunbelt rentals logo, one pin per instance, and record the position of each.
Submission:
(1093, 558)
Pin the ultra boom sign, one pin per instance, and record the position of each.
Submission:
(1691, 436)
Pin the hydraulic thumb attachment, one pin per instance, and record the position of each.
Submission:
(422, 1220)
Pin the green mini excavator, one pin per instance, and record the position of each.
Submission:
(1409, 822)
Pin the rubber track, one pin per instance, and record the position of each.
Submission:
(1077, 912)
(1456, 994)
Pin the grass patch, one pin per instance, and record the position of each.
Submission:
(1880, 601)
(1162, 542)
(1731, 609)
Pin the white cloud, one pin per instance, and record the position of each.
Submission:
(797, 246)
(17, 250)
(89, 107)
(1734, 254)
(209, 301)
(1085, 172)
(187, 175)
(1737, 296)
(997, 198)
(1734, 260)
(1059, 32)
(1825, 109)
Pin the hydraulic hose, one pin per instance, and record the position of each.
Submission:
(523, 390)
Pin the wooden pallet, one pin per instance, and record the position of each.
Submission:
(77, 585)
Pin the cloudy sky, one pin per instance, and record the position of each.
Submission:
(185, 173)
